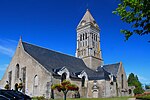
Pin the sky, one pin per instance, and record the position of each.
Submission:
(52, 24)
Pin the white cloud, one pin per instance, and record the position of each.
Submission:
(7, 47)
(7, 51)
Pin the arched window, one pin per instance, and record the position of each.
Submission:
(83, 81)
(96, 37)
(130, 91)
(83, 43)
(85, 35)
(80, 37)
(17, 71)
(36, 80)
(122, 81)
(92, 35)
(63, 77)
(94, 53)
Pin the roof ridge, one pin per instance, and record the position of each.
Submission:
(112, 64)
(50, 49)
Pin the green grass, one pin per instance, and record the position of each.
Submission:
(146, 97)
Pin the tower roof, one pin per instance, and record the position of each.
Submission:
(87, 18)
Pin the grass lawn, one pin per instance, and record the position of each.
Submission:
(119, 98)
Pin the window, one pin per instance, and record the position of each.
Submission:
(36, 80)
(83, 43)
(10, 78)
(24, 78)
(96, 37)
(122, 81)
(17, 71)
(63, 77)
(83, 81)
(80, 37)
(85, 35)
(92, 35)
(93, 44)
(94, 53)
(130, 91)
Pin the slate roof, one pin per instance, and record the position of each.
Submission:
(54, 60)
(87, 18)
(112, 68)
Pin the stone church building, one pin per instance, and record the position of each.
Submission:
(39, 68)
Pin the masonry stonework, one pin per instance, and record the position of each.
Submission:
(39, 68)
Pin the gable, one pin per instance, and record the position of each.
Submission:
(112, 68)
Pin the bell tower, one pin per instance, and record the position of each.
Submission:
(88, 41)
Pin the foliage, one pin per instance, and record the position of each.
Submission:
(65, 86)
(20, 86)
(144, 96)
(134, 81)
(6, 86)
(137, 14)
(147, 86)
(38, 98)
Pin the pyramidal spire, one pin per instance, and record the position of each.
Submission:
(87, 18)
(20, 39)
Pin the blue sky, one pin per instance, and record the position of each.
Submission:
(52, 24)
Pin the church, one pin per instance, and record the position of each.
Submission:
(39, 68)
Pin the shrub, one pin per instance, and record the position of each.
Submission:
(39, 98)
(144, 96)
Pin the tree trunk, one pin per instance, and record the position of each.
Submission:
(65, 94)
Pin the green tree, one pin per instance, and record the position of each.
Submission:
(137, 14)
(147, 86)
(65, 86)
(131, 79)
(134, 81)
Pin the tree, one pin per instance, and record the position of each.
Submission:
(65, 86)
(134, 81)
(137, 14)
(7, 85)
(147, 86)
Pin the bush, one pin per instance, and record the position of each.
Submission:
(39, 98)
(144, 96)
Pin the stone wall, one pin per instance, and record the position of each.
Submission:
(33, 68)
(122, 89)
